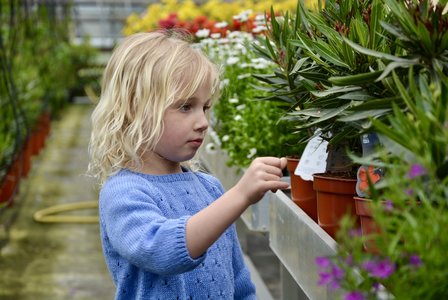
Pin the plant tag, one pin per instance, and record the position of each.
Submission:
(313, 160)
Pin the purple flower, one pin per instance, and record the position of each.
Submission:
(324, 278)
(322, 261)
(379, 269)
(416, 170)
(330, 273)
(415, 260)
(355, 232)
(337, 272)
(355, 295)
(409, 192)
(388, 205)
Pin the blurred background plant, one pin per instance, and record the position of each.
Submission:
(244, 127)
(39, 69)
(236, 15)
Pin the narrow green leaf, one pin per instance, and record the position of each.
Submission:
(335, 90)
(392, 66)
(329, 54)
(375, 19)
(356, 79)
(357, 95)
(404, 94)
(356, 116)
(378, 54)
(298, 65)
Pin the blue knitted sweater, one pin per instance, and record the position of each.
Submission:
(142, 223)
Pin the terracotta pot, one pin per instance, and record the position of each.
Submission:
(368, 225)
(10, 184)
(26, 157)
(302, 192)
(334, 200)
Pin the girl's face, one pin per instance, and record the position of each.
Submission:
(185, 124)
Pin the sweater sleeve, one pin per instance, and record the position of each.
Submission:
(244, 288)
(138, 231)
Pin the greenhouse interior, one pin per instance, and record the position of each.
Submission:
(323, 100)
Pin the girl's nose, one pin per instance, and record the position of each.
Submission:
(202, 122)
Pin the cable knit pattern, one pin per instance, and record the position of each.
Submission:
(142, 222)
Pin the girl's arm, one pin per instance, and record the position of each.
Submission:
(205, 227)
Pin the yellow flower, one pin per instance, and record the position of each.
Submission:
(188, 10)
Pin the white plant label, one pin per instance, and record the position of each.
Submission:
(313, 160)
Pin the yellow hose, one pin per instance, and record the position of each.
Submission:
(46, 215)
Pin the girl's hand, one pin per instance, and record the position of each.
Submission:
(263, 174)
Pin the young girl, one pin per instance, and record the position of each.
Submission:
(166, 230)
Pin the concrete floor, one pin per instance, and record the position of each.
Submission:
(64, 261)
(54, 261)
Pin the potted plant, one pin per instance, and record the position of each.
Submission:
(283, 87)
(329, 86)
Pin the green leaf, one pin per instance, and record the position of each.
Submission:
(380, 103)
(375, 19)
(356, 116)
(392, 66)
(378, 54)
(329, 54)
(335, 90)
(356, 79)
(357, 95)
(298, 65)
(404, 94)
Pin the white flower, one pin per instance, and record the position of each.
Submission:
(232, 60)
(223, 41)
(221, 25)
(210, 148)
(225, 82)
(241, 107)
(242, 76)
(215, 35)
(238, 118)
(252, 152)
(243, 16)
(259, 17)
(259, 29)
(259, 63)
(233, 100)
(203, 33)
(225, 138)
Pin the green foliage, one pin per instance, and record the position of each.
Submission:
(410, 205)
(246, 127)
(38, 66)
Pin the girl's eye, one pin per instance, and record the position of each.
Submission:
(185, 107)
(206, 108)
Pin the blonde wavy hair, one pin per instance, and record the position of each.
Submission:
(146, 74)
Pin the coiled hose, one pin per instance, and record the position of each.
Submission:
(46, 215)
